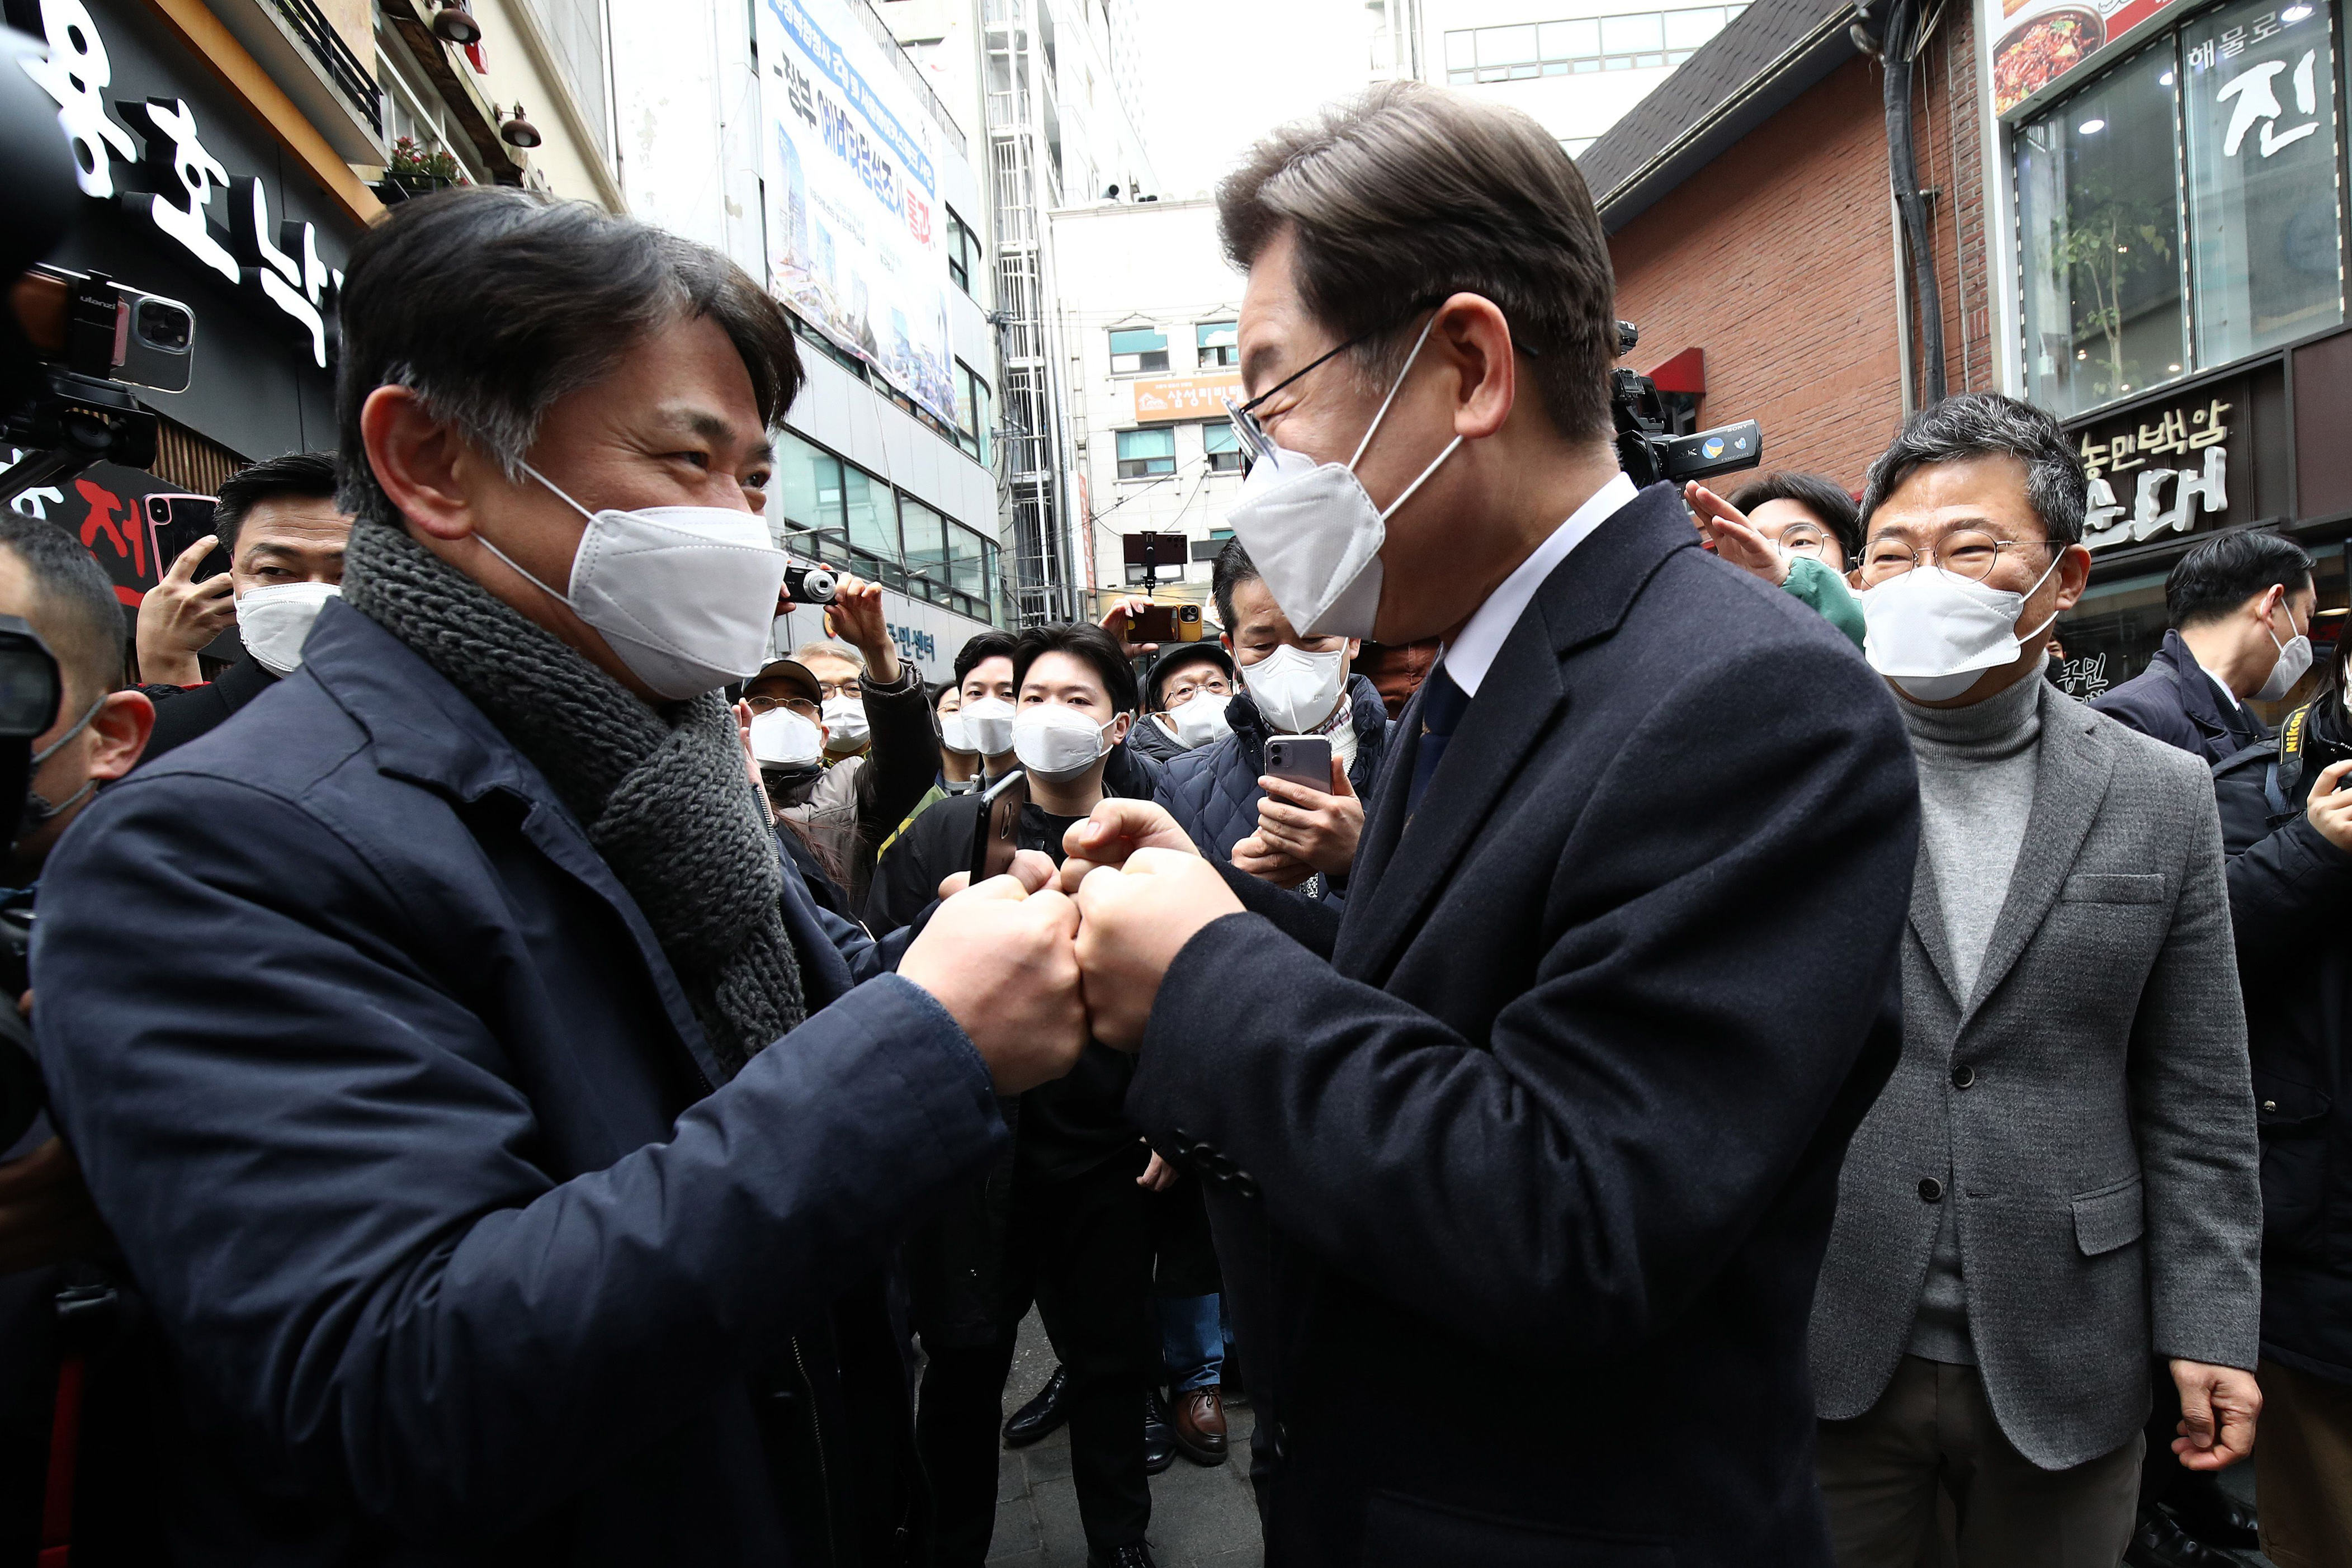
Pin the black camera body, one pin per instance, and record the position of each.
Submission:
(810, 585)
(1649, 454)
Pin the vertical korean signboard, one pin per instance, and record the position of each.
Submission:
(853, 219)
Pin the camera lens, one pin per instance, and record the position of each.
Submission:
(163, 325)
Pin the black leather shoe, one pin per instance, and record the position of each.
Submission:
(1042, 1415)
(2208, 1514)
(1158, 1437)
(2157, 1543)
(1135, 1556)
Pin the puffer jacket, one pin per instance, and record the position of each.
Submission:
(1212, 793)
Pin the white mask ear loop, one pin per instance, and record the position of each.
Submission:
(2037, 588)
(1373, 429)
(525, 572)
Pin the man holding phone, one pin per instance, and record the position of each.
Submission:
(1061, 1221)
(1299, 696)
(282, 534)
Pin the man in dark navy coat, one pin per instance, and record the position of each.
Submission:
(509, 1146)
(1546, 1126)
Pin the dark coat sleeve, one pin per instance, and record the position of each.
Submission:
(904, 761)
(2286, 890)
(1705, 982)
(329, 1178)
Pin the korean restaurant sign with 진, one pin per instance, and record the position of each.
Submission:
(853, 220)
(2038, 46)
(149, 154)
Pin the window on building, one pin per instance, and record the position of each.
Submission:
(2259, 103)
(966, 257)
(972, 415)
(1142, 350)
(2099, 225)
(1220, 343)
(1631, 40)
(925, 533)
(1144, 453)
(966, 561)
(871, 508)
(1223, 447)
(413, 110)
(808, 493)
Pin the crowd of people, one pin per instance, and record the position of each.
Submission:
(1715, 1060)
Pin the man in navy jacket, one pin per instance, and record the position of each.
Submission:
(1545, 1124)
(413, 1027)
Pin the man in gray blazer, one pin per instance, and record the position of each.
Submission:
(2057, 1185)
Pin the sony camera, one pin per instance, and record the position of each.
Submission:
(1646, 448)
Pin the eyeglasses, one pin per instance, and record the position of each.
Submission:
(1250, 435)
(799, 705)
(1969, 554)
(829, 689)
(1811, 539)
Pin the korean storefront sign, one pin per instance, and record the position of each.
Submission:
(169, 177)
(2162, 472)
(1163, 398)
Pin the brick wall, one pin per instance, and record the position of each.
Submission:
(1777, 260)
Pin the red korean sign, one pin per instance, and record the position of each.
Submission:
(103, 507)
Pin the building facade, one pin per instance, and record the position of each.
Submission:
(1577, 65)
(230, 153)
(1148, 316)
(2169, 183)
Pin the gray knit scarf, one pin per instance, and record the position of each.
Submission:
(663, 792)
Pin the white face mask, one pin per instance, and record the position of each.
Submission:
(1315, 536)
(1296, 689)
(955, 733)
(783, 739)
(1057, 743)
(274, 622)
(1934, 633)
(1200, 720)
(2294, 658)
(683, 594)
(988, 725)
(845, 720)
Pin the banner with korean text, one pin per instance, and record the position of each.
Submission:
(853, 219)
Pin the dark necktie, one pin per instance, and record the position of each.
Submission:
(1443, 703)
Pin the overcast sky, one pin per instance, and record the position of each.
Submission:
(1218, 74)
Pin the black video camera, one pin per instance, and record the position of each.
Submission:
(30, 690)
(1645, 449)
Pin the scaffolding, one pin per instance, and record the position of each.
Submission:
(1040, 579)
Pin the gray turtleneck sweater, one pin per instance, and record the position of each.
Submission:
(1977, 768)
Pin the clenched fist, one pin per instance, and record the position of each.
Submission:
(1004, 962)
(1134, 921)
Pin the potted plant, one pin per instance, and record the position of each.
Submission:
(416, 171)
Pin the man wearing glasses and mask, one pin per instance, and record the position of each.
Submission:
(2057, 1187)
(1543, 1124)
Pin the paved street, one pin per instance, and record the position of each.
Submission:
(1200, 1517)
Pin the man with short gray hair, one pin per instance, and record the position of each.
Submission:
(2058, 1183)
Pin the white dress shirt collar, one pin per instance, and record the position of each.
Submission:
(1469, 656)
